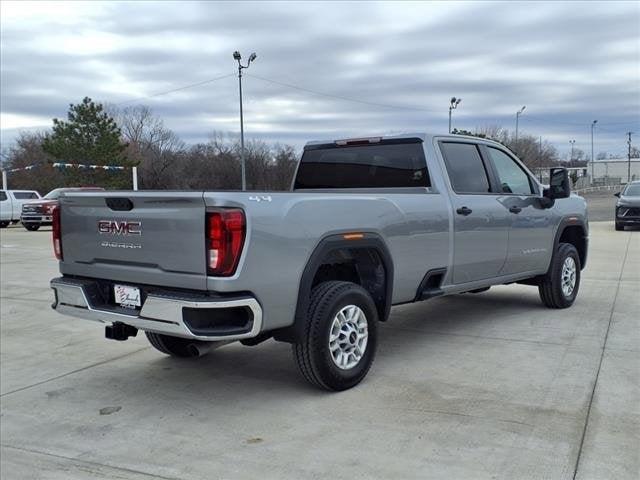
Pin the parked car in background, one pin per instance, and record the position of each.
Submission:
(11, 202)
(369, 223)
(628, 206)
(38, 213)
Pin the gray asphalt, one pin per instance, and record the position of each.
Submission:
(601, 205)
(487, 386)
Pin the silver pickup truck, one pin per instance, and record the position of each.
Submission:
(370, 223)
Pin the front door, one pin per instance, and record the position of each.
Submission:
(531, 226)
(481, 224)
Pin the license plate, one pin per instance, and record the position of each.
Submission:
(127, 296)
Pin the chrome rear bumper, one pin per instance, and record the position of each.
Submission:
(161, 312)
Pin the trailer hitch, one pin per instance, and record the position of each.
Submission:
(119, 331)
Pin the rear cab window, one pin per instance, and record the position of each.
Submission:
(3, 195)
(25, 195)
(388, 164)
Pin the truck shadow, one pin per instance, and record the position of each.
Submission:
(268, 370)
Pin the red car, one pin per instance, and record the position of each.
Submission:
(38, 212)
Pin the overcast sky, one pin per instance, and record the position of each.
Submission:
(568, 62)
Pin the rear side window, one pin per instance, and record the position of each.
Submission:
(3, 195)
(25, 195)
(465, 168)
(365, 166)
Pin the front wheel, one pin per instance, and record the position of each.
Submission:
(32, 227)
(559, 287)
(340, 336)
(619, 226)
(4, 224)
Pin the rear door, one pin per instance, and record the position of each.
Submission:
(481, 223)
(153, 238)
(530, 225)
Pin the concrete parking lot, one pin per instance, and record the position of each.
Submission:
(486, 386)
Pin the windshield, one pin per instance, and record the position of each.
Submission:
(53, 194)
(632, 190)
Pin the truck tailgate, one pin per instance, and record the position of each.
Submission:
(152, 238)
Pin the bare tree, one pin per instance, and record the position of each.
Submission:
(153, 146)
(27, 152)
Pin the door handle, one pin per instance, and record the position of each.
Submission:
(463, 211)
(515, 209)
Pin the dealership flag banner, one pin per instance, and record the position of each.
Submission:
(71, 165)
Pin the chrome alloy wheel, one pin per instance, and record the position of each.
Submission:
(568, 276)
(348, 337)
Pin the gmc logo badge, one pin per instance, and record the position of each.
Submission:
(113, 227)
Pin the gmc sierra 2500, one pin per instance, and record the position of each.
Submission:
(369, 223)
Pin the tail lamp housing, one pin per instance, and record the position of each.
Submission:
(226, 230)
(56, 235)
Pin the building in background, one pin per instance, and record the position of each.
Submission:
(615, 168)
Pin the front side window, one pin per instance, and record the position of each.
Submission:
(512, 178)
(465, 168)
(365, 166)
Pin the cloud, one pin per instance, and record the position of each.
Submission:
(569, 62)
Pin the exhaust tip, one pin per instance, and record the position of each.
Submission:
(198, 349)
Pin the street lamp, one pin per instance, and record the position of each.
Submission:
(452, 106)
(518, 113)
(572, 142)
(593, 159)
(238, 58)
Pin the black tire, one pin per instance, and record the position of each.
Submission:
(313, 355)
(13, 222)
(174, 346)
(619, 226)
(4, 224)
(32, 227)
(550, 287)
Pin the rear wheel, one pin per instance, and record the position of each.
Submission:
(177, 346)
(32, 227)
(340, 336)
(4, 224)
(559, 287)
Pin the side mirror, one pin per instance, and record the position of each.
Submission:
(559, 184)
(617, 194)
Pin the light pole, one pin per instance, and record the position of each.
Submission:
(629, 157)
(518, 113)
(593, 159)
(572, 142)
(238, 57)
(452, 106)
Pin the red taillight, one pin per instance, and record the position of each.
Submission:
(225, 237)
(57, 241)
